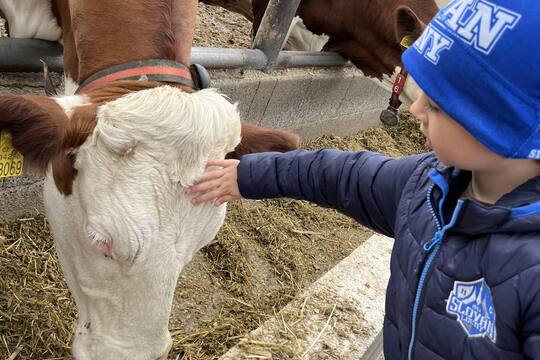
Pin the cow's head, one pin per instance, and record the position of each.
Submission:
(118, 164)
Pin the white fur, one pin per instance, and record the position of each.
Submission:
(70, 86)
(69, 103)
(130, 192)
(31, 19)
(299, 38)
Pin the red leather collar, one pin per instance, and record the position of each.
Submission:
(152, 70)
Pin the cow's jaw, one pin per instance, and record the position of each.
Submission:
(130, 188)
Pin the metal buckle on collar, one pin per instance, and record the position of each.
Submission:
(200, 76)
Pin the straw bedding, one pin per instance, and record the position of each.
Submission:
(266, 252)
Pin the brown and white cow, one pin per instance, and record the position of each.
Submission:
(366, 32)
(118, 158)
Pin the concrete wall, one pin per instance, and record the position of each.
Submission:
(310, 102)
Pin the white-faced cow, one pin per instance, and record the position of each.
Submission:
(118, 156)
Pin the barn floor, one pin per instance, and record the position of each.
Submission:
(266, 253)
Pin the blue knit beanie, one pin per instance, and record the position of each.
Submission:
(479, 60)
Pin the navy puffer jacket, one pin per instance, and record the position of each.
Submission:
(465, 278)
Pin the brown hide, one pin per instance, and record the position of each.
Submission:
(363, 31)
(36, 124)
(43, 133)
(101, 34)
(408, 24)
(256, 139)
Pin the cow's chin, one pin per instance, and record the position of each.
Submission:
(85, 348)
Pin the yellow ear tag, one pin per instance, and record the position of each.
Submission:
(406, 42)
(11, 161)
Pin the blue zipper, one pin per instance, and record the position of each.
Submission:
(431, 247)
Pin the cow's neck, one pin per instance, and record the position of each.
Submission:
(109, 33)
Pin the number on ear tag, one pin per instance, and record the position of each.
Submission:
(11, 161)
(406, 42)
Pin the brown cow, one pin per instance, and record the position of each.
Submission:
(368, 33)
(360, 30)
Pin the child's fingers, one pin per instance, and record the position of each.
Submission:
(210, 195)
(222, 163)
(211, 175)
(223, 199)
(204, 186)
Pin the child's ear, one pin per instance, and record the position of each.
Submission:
(407, 23)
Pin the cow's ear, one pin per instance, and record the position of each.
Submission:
(256, 139)
(36, 124)
(407, 24)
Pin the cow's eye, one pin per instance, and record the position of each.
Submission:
(101, 242)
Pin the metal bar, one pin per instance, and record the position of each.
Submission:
(218, 58)
(274, 28)
(291, 59)
(24, 55)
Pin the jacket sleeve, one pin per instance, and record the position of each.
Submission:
(366, 186)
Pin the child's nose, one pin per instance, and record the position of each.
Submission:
(417, 110)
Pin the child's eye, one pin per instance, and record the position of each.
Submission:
(431, 107)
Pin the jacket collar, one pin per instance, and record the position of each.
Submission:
(517, 211)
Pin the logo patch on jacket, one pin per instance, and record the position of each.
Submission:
(472, 303)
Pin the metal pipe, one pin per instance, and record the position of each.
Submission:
(218, 58)
(292, 59)
(24, 55)
(274, 28)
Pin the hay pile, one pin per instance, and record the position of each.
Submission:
(266, 252)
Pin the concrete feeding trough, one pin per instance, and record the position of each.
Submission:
(339, 316)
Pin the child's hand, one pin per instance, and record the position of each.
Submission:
(219, 184)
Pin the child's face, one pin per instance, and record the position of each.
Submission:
(452, 144)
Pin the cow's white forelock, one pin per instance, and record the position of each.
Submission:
(31, 19)
(183, 129)
(130, 189)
